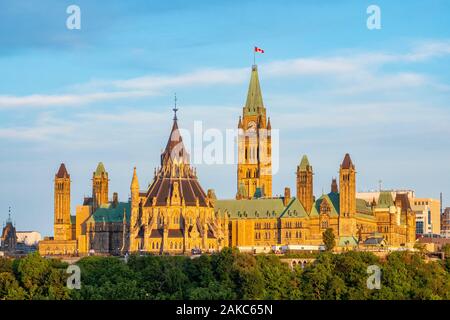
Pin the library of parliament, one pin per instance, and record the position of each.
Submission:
(175, 215)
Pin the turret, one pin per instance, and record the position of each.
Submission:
(347, 198)
(62, 227)
(100, 183)
(347, 186)
(305, 184)
(134, 189)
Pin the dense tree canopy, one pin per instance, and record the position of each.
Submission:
(227, 275)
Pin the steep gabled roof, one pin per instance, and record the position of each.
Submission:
(294, 209)
(332, 199)
(62, 172)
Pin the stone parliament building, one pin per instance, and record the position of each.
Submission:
(175, 215)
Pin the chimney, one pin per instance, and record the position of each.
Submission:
(115, 199)
(334, 186)
(287, 196)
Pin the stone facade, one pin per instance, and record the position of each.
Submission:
(174, 215)
(254, 172)
(258, 220)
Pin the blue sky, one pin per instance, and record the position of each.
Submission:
(330, 85)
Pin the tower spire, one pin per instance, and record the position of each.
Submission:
(9, 214)
(175, 108)
(254, 104)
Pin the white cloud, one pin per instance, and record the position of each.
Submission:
(39, 100)
(357, 72)
(196, 78)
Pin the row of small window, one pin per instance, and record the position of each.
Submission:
(288, 225)
(288, 234)
(266, 235)
(423, 203)
(268, 225)
(265, 225)
(383, 229)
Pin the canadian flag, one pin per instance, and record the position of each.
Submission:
(259, 50)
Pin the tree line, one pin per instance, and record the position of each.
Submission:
(228, 274)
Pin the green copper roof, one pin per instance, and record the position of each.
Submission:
(347, 242)
(250, 209)
(109, 213)
(254, 102)
(333, 200)
(294, 209)
(100, 169)
(304, 163)
(363, 207)
(385, 200)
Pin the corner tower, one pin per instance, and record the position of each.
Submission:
(305, 184)
(99, 186)
(347, 197)
(254, 144)
(62, 226)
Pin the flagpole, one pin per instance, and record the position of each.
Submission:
(254, 56)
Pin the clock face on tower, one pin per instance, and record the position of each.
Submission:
(251, 125)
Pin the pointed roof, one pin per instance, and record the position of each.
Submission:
(404, 200)
(304, 163)
(62, 172)
(175, 147)
(175, 172)
(385, 200)
(134, 180)
(269, 126)
(347, 162)
(100, 169)
(254, 103)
